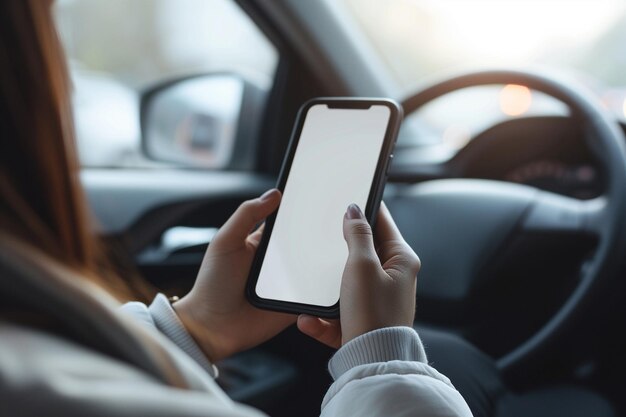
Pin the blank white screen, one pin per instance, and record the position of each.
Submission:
(334, 165)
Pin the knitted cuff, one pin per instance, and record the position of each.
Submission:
(382, 345)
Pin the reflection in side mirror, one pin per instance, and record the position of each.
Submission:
(193, 121)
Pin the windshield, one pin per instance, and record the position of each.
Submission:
(423, 39)
(417, 38)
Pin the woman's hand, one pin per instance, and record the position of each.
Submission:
(378, 284)
(216, 311)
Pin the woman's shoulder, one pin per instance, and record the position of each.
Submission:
(41, 371)
(37, 353)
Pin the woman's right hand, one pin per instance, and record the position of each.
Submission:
(378, 284)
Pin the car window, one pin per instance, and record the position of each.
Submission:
(118, 49)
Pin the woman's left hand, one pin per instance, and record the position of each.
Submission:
(216, 311)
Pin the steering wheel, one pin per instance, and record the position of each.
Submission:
(457, 224)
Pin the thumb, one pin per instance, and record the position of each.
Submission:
(358, 233)
(237, 228)
(327, 332)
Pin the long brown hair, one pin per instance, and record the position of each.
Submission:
(41, 199)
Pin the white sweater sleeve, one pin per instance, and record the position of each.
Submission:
(161, 316)
(384, 373)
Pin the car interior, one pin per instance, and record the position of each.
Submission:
(517, 208)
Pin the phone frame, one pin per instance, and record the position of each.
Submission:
(371, 208)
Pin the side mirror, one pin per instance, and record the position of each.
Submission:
(204, 121)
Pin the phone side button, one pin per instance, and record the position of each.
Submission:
(389, 161)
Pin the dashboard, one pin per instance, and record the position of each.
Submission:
(580, 181)
(549, 153)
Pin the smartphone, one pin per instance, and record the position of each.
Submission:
(339, 154)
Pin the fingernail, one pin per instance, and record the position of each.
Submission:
(266, 195)
(354, 212)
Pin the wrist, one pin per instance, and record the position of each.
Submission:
(187, 312)
(169, 323)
